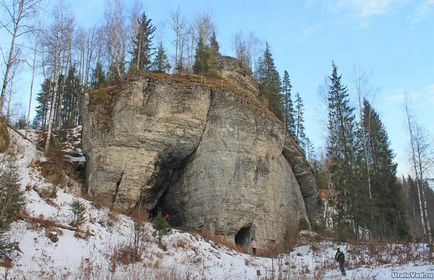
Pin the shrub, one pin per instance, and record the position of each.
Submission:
(11, 197)
(125, 255)
(161, 227)
(11, 200)
(78, 209)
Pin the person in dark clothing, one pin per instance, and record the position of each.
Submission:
(340, 258)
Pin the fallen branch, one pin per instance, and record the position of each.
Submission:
(24, 137)
(48, 223)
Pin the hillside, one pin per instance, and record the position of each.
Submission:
(103, 246)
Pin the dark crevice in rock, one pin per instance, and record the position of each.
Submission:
(211, 99)
(118, 183)
(305, 178)
(168, 169)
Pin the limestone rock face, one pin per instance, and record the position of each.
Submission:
(207, 153)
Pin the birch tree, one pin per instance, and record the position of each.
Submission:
(31, 87)
(115, 31)
(19, 15)
(246, 49)
(422, 159)
(54, 38)
(179, 27)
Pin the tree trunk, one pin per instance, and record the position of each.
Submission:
(53, 101)
(9, 65)
(31, 90)
(418, 182)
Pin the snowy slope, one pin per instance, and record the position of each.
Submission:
(187, 256)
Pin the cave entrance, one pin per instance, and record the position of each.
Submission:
(242, 238)
(159, 208)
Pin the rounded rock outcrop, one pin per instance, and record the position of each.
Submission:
(204, 150)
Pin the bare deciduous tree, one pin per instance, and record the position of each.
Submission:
(57, 40)
(115, 35)
(204, 25)
(246, 49)
(19, 13)
(31, 86)
(422, 159)
(94, 50)
(179, 27)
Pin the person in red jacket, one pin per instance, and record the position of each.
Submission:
(253, 244)
(166, 216)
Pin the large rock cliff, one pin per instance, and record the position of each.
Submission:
(204, 150)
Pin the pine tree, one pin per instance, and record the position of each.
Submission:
(142, 44)
(299, 120)
(289, 107)
(161, 62)
(340, 153)
(200, 66)
(213, 56)
(98, 77)
(269, 82)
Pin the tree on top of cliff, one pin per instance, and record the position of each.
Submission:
(201, 58)
(98, 76)
(142, 44)
(289, 106)
(206, 57)
(269, 82)
(161, 62)
(299, 120)
(245, 48)
(70, 112)
(213, 56)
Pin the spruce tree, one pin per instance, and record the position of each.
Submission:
(387, 193)
(43, 100)
(289, 107)
(142, 44)
(98, 77)
(213, 56)
(340, 153)
(71, 100)
(299, 120)
(269, 83)
(161, 62)
(200, 65)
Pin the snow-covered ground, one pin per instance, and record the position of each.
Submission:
(93, 251)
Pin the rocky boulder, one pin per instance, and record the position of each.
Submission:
(204, 150)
